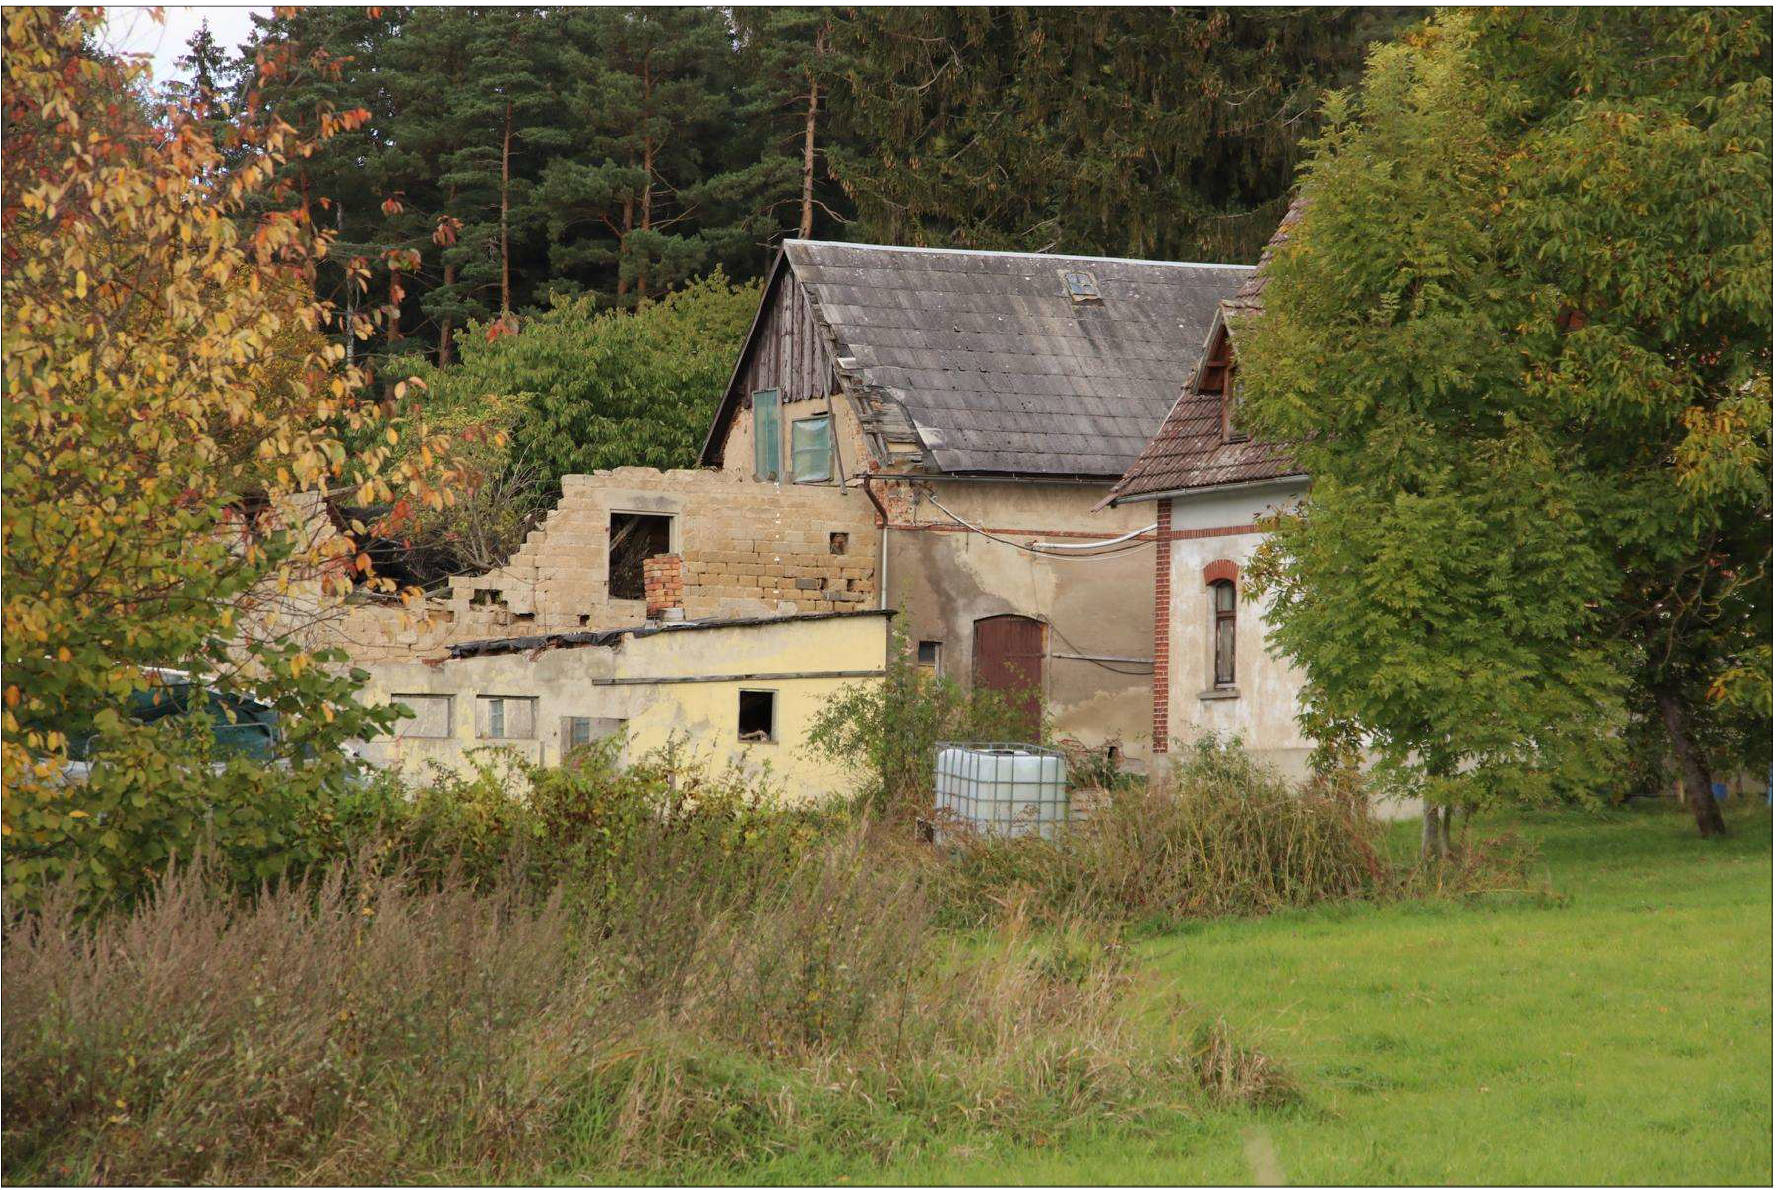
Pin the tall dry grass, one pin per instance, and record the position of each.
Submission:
(368, 1027)
(1225, 834)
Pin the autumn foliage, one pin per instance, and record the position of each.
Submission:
(175, 405)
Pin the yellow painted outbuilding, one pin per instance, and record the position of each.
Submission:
(743, 691)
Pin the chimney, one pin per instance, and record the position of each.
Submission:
(662, 577)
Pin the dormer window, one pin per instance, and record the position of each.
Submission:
(1220, 378)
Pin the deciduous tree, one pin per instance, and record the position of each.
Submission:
(1521, 341)
(159, 446)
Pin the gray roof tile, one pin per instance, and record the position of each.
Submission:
(997, 363)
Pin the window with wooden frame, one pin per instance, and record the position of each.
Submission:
(767, 435)
(503, 717)
(811, 449)
(1223, 603)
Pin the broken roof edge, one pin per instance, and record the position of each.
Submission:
(1182, 264)
(716, 440)
(609, 636)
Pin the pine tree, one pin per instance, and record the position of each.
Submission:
(1165, 133)
(787, 56)
(647, 198)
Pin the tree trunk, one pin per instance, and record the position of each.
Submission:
(1434, 844)
(647, 210)
(807, 225)
(446, 348)
(1698, 786)
(622, 242)
(505, 208)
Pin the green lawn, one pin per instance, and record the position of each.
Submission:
(1622, 1036)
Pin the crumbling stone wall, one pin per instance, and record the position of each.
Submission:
(746, 549)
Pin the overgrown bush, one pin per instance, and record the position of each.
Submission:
(1224, 834)
(371, 1028)
(886, 732)
(594, 820)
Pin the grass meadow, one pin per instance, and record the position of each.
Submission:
(1616, 1032)
(772, 1010)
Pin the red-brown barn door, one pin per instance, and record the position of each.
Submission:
(1008, 657)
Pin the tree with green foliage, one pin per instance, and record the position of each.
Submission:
(658, 148)
(790, 68)
(1521, 341)
(1165, 133)
(578, 388)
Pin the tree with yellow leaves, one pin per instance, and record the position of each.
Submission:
(170, 397)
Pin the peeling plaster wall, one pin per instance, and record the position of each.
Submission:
(945, 579)
(630, 681)
(1263, 713)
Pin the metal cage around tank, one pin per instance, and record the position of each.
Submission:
(1000, 787)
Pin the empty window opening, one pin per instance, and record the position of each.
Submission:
(810, 449)
(767, 434)
(1225, 614)
(431, 717)
(838, 543)
(485, 597)
(1081, 287)
(931, 657)
(634, 538)
(501, 717)
(758, 715)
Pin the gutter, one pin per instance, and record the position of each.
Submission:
(1206, 489)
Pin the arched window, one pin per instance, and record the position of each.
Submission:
(1224, 603)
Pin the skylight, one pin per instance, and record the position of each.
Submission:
(1081, 287)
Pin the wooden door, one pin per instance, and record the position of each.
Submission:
(1008, 654)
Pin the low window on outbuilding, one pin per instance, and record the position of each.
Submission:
(503, 717)
(431, 717)
(758, 716)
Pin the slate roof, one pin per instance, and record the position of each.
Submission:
(1188, 451)
(996, 368)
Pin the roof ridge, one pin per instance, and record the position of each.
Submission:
(1180, 264)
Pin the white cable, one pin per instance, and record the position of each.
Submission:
(1092, 545)
(1040, 553)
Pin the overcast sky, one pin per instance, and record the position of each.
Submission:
(135, 31)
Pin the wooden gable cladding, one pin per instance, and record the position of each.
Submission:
(788, 350)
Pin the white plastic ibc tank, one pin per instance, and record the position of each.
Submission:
(1003, 789)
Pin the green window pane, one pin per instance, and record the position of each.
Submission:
(811, 449)
(767, 436)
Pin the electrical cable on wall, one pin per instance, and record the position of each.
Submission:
(1043, 553)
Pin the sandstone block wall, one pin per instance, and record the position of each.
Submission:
(746, 548)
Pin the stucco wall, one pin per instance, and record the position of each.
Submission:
(945, 579)
(805, 662)
(1262, 712)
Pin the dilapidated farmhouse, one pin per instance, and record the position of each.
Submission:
(926, 431)
(1208, 482)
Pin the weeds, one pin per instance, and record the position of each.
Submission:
(1224, 835)
(373, 1026)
